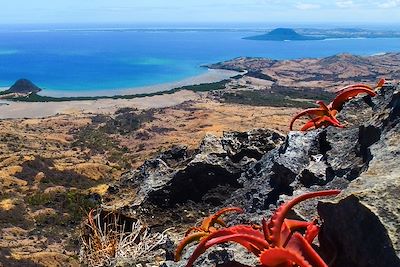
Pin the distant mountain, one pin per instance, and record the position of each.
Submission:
(23, 86)
(282, 34)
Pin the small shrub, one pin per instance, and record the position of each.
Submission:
(73, 202)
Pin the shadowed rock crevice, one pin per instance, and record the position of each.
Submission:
(324, 144)
(318, 170)
(309, 178)
(280, 182)
(367, 136)
(353, 235)
(394, 107)
(192, 184)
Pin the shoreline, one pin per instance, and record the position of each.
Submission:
(35, 110)
(157, 96)
(211, 76)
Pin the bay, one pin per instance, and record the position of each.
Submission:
(113, 59)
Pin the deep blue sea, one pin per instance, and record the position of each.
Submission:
(90, 60)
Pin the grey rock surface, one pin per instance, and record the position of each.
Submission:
(363, 224)
(180, 179)
(258, 170)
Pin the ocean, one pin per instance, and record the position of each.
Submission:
(92, 60)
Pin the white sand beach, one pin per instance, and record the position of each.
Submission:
(212, 75)
(15, 110)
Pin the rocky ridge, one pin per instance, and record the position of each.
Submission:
(259, 169)
(329, 73)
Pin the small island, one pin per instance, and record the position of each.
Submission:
(21, 88)
(282, 34)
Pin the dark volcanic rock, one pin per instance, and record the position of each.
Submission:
(355, 234)
(24, 86)
(361, 226)
(207, 176)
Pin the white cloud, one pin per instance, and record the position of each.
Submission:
(307, 6)
(389, 4)
(345, 4)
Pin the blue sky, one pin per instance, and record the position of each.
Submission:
(199, 11)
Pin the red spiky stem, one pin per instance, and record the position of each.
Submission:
(277, 219)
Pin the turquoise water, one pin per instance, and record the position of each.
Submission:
(87, 60)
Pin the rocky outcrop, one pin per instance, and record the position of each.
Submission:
(320, 73)
(180, 176)
(361, 226)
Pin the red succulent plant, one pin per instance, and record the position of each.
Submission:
(209, 225)
(325, 115)
(278, 243)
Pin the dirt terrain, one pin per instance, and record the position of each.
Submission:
(49, 179)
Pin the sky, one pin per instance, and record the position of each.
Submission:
(199, 11)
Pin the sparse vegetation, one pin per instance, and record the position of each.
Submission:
(51, 175)
(73, 202)
(260, 75)
(101, 136)
(15, 216)
(99, 142)
(127, 121)
(277, 97)
(108, 239)
(7, 260)
(94, 139)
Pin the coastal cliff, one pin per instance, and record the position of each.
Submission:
(258, 169)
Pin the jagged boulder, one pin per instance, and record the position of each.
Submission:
(180, 176)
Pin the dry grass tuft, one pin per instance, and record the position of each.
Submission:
(108, 239)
